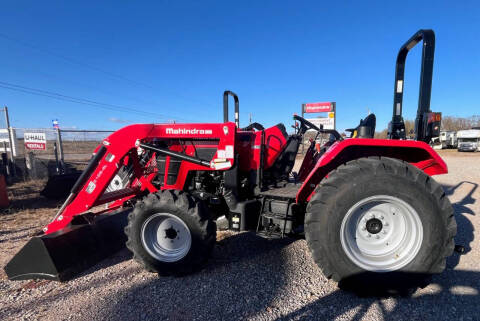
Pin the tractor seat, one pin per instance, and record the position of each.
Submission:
(366, 128)
(279, 154)
(283, 164)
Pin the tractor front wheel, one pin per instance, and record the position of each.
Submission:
(380, 224)
(170, 233)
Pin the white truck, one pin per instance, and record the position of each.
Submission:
(468, 140)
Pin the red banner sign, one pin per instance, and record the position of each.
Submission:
(36, 146)
(318, 107)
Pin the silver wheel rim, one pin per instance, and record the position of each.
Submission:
(386, 246)
(166, 237)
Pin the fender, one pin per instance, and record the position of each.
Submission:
(416, 153)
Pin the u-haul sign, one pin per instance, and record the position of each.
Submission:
(35, 141)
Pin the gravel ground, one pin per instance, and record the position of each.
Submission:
(248, 278)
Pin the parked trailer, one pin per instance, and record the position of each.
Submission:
(468, 140)
(448, 139)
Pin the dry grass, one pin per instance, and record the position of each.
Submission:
(25, 217)
(26, 202)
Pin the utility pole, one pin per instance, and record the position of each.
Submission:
(249, 118)
(10, 141)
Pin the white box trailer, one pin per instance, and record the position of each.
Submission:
(468, 140)
(448, 139)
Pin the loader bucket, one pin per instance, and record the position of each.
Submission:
(62, 255)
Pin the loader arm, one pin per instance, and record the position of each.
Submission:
(126, 144)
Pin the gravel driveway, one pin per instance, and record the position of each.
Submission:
(252, 278)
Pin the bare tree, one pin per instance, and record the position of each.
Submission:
(409, 129)
(460, 123)
(448, 123)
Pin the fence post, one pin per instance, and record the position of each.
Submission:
(31, 165)
(10, 141)
(60, 150)
(55, 151)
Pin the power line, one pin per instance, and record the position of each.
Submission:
(79, 63)
(82, 101)
(136, 100)
(72, 61)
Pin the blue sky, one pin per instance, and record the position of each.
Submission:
(173, 59)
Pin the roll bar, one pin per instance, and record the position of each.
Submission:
(397, 126)
(226, 93)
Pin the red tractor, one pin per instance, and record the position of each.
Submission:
(370, 210)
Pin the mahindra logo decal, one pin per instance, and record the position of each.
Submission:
(189, 131)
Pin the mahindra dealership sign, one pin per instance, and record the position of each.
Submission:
(35, 141)
(324, 107)
(327, 111)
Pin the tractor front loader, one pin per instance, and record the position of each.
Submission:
(369, 209)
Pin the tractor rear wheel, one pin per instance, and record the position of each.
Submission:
(171, 233)
(379, 224)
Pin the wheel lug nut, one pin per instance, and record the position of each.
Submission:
(384, 232)
(369, 235)
(381, 217)
(364, 228)
(378, 236)
(386, 224)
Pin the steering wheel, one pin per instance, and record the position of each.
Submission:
(257, 126)
(305, 125)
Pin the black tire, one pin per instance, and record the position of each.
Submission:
(366, 177)
(192, 212)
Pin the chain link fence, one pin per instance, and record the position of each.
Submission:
(32, 153)
(78, 145)
(43, 152)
